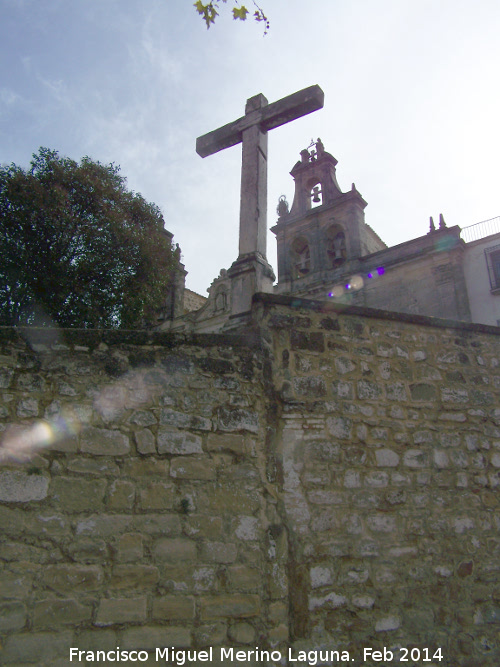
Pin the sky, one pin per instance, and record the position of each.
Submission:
(412, 105)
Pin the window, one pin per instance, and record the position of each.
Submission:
(493, 263)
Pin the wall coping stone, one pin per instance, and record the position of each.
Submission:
(53, 336)
(375, 313)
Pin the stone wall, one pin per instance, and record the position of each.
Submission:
(143, 518)
(390, 448)
(329, 481)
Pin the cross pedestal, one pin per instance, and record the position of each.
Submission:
(251, 273)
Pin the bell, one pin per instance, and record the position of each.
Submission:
(316, 192)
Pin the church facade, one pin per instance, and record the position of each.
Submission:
(327, 252)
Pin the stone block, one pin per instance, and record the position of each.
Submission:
(27, 407)
(246, 528)
(233, 499)
(145, 467)
(211, 634)
(66, 577)
(396, 391)
(88, 550)
(121, 610)
(340, 427)
(344, 365)
(104, 442)
(15, 585)
(53, 613)
(415, 458)
(313, 341)
(36, 648)
(201, 525)
(388, 624)
(97, 467)
(17, 486)
(182, 420)
(386, 458)
(219, 552)
(423, 392)
(134, 576)
(142, 418)
(121, 495)
(309, 387)
(97, 640)
(129, 548)
(173, 607)
(78, 495)
(104, 525)
(13, 616)
(237, 419)
(157, 524)
(368, 390)
(244, 578)
(242, 633)
(151, 637)
(174, 550)
(157, 496)
(381, 523)
(178, 442)
(229, 606)
(145, 441)
(192, 468)
(229, 442)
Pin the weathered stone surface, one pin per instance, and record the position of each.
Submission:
(174, 607)
(13, 616)
(104, 442)
(54, 613)
(17, 486)
(65, 577)
(121, 610)
(237, 419)
(191, 468)
(178, 442)
(134, 577)
(151, 638)
(360, 503)
(230, 606)
(230, 442)
(145, 441)
(78, 495)
(178, 549)
(37, 647)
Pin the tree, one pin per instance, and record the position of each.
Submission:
(209, 12)
(77, 247)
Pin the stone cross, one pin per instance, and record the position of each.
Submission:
(251, 131)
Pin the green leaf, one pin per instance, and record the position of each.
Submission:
(240, 13)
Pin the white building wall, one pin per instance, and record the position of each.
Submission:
(484, 305)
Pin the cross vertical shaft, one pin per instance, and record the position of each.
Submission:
(253, 198)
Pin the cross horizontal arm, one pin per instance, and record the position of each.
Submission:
(268, 117)
(294, 106)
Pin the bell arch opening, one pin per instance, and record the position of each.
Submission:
(301, 257)
(336, 246)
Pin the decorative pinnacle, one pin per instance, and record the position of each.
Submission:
(432, 225)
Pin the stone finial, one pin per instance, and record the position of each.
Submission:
(442, 223)
(305, 155)
(432, 226)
